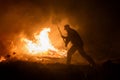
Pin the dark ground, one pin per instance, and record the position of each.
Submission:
(21, 70)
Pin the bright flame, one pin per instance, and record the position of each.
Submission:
(40, 48)
(42, 43)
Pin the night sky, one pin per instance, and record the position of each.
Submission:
(96, 21)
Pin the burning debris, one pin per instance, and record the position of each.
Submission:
(38, 49)
(7, 57)
(42, 45)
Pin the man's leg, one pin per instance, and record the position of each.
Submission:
(87, 57)
(69, 54)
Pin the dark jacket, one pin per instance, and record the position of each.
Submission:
(74, 37)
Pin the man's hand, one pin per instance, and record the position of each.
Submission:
(62, 36)
(65, 45)
(64, 39)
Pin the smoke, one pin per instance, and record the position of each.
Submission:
(93, 21)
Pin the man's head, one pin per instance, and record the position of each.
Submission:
(67, 26)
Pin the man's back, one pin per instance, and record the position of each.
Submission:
(75, 37)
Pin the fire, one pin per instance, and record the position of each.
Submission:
(42, 44)
(2, 59)
(39, 48)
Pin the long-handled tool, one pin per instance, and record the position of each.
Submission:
(55, 21)
(60, 33)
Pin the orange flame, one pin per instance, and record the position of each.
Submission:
(42, 44)
(2, 59)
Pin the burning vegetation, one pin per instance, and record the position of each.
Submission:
(38, 49)
(42, 45)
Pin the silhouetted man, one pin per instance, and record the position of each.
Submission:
(77, 44)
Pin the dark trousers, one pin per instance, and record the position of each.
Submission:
(81, 52)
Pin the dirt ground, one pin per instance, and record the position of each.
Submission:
(23, 70)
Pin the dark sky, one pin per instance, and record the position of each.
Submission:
(96, 21)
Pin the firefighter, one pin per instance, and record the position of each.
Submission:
(77, 44)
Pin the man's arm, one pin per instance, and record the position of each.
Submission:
(66, 39)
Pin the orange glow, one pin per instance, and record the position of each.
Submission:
(42, 45)
(2, 59)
